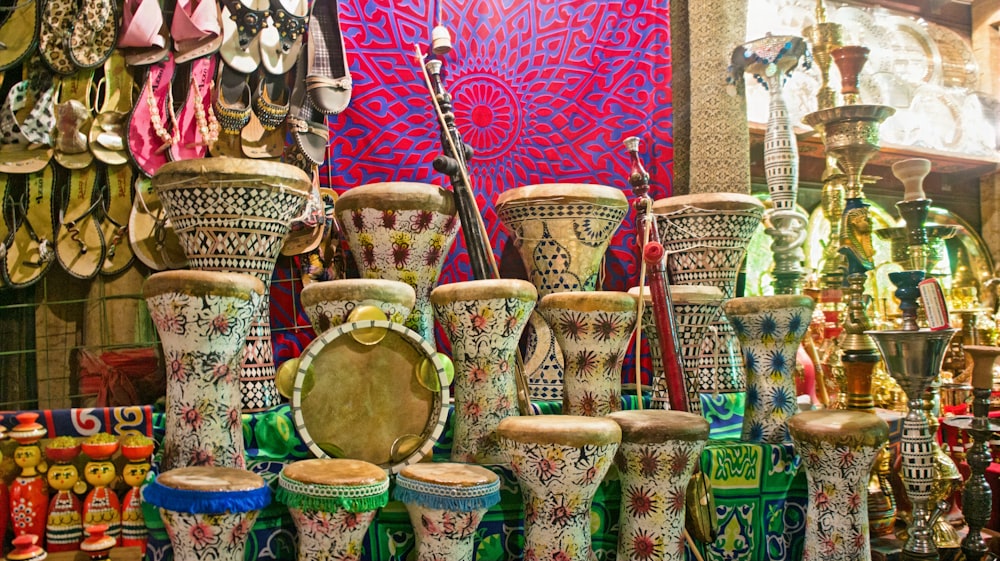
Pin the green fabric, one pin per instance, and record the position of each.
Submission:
(374, 497)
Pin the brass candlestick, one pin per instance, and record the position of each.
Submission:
(977, 497)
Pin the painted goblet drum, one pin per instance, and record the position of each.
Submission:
(561, 231)
(332, 503)
(483, 319)
(203, 319)
(330, 303)
(208, 512)
(446, 502)
(593, 330)
(232, 215)
(401, 231)
(658, 454)
(838, 450)
(559, 461)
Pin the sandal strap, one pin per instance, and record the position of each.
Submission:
(141, 26)
(344, 83)
(232, 118)
(290, 26)
(249, 22)
(270, 114)
(303, 126)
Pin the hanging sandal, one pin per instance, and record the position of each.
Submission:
(95, 33)
(54, 35)
(144, 32)
(232, 109)
(31, 250)
(19, 33)
(242, 21)
(308, 126)
(328, 75)
(79, 242)
(116, 206)
(197, 125)
(264, 136)
(150, 235)
(107, 133)
(73, 120)
(151, 127)
(196, 29)
(281, 40)
(26, 118)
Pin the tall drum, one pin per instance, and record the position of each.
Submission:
(483, 319)
(706, 237)
(233, 216)
(403, 232)
(330, 303)
(561, 231)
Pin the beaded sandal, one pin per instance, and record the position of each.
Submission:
(197, 125)
(232, 109)
(151, 126)
(264, 136)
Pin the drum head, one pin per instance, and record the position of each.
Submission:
(385, 403)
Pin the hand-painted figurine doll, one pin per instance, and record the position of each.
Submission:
(101, 505)
(64, 524)
(29, 499)
(137, 449)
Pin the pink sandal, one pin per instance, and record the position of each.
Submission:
(151, 127)
(196, 29)
(197, 125)
(144, 32)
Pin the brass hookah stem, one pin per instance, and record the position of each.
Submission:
(454, 163)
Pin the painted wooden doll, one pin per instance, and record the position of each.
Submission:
(64, 524)
(137, 450)
(101, 505)
(29, 498)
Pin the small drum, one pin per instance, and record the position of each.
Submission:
(329, 304)
(658, 454)
(208, 512)
(559, 461)
(838, 449)
(446, 503)
(338, 496)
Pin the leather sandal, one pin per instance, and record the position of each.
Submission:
(196, 29)
(329, 75)
(242, 22)
(144, 32)
(73, 120)
(264, 136)
(107, 133)
(79, 241)
(308, 125)
(150, 235)
(232, 109)
(281, 40)
(31, 250)
(197, 126)
(116, 206)
(54, 35)
(94, 35)
(26, 119)
(151, 127)
(19, 33)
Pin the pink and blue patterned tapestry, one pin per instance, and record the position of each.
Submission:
(543, 91)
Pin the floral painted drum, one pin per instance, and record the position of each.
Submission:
(208, 512)
(658, 454)
(371, 390)
(559, 462)
(332, 503)
(401, 231)
(446, 502)
(203, 319)
(838, 450)
(330, 303)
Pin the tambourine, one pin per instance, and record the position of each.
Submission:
(371, 390)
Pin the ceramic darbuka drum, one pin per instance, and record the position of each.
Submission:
(328, 304)
(838, 450)
(384, 403)
(208, 512)
(658, 454)
(332, 503)
(483, 319)
(593, 330)
(403, 232)
(233, 215)
(561, 231)
(695, 308)
(706, 237)
(203, 319)
(770, 330)
(559, 461)
(446, 503)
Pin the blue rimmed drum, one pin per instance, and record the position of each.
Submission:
(208, 512)
(446, 502)
(332, 503)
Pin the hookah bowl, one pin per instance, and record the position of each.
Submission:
(913, 359)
